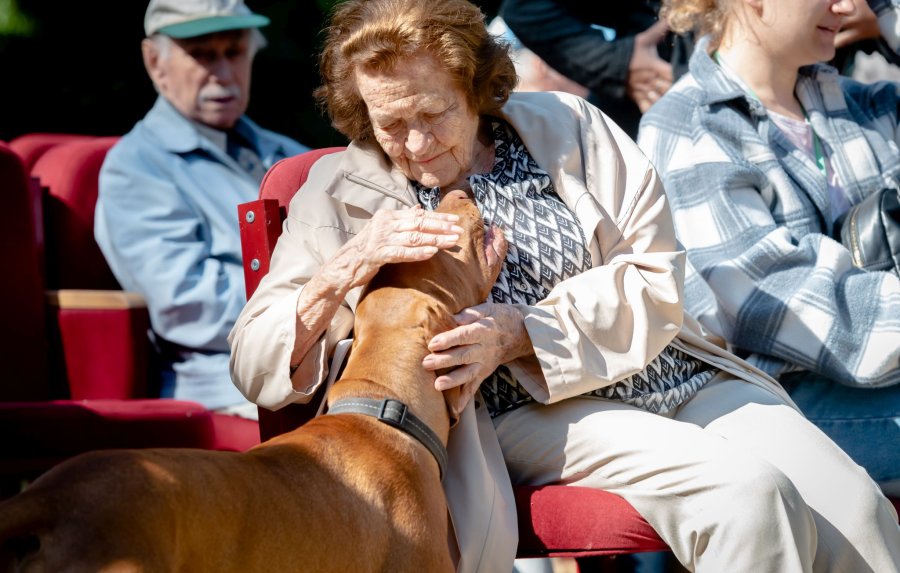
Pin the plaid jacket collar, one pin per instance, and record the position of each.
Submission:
(820, 92)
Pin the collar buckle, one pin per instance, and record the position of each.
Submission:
(392, 412)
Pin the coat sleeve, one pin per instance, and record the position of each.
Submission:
(263, 337)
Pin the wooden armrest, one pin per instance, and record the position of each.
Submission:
(94, 299)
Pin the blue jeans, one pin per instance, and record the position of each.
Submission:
(864, 422)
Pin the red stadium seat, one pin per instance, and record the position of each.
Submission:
(31, 146)
(23, 331)
(554, 520)
(70, 172)
(95, 343)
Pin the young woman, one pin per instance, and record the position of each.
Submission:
(761, 151)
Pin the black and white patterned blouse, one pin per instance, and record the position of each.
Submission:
(547, 246)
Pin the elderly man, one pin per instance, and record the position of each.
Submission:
(166, 216)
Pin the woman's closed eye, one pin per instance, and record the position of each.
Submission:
(392, 127)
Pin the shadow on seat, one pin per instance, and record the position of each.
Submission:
(554, 520)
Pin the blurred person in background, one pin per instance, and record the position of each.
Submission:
(166, 215)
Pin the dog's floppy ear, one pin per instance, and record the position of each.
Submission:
(452, 399)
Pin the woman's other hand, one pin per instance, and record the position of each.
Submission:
(649, 76)
(406, 235)
(487, 336)
(862, 24)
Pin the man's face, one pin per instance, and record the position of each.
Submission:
(206, 78)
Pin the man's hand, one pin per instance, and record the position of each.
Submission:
(649, 76)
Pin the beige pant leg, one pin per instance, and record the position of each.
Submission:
(857, 527)
(718, 507)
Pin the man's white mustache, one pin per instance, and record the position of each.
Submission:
(218, 92)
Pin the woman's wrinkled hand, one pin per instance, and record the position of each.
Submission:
(405, 235)
(487, 336)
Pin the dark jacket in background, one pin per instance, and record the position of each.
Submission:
(563, 34)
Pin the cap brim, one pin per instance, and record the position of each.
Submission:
(204, 26)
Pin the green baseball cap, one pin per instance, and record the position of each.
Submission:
(190, 18)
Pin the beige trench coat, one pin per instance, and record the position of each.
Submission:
(591, 331)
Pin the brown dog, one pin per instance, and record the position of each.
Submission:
(343, 493)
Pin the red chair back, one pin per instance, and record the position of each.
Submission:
(31, 146)
(101, 340)
(23, 331)
(289, 174)
(70, 171)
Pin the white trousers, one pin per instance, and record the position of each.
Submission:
(734, 480)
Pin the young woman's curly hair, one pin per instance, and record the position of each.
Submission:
(380, 34)
(703, 17)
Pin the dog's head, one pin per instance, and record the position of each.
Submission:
(470, 269)
(458, 277)
(423, 296)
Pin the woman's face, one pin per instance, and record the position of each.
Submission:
(802, 32)
(421, 120)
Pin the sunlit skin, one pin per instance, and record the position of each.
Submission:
(767, 41)
(423, 122)
(206, 78)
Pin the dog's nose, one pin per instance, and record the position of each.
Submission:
(455, 195)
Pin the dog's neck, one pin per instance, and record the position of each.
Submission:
(412, 318)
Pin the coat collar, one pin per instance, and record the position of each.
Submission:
(819, 91)
(366, 164)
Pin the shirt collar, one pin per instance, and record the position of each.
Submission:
(216, 137)
(181, 135)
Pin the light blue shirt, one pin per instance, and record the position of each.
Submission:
(166, 220)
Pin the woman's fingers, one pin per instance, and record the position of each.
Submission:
(468, 374)
(408, 235)
(396, 236)
(487, 335)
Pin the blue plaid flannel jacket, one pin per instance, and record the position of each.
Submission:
(752, 211)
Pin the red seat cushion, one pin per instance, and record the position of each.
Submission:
(571, 521)
(106, 352)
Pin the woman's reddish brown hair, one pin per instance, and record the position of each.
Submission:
(381, 34)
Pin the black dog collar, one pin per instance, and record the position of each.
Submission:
(396, 414)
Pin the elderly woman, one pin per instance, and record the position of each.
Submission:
(582, 368)
(762, 151)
